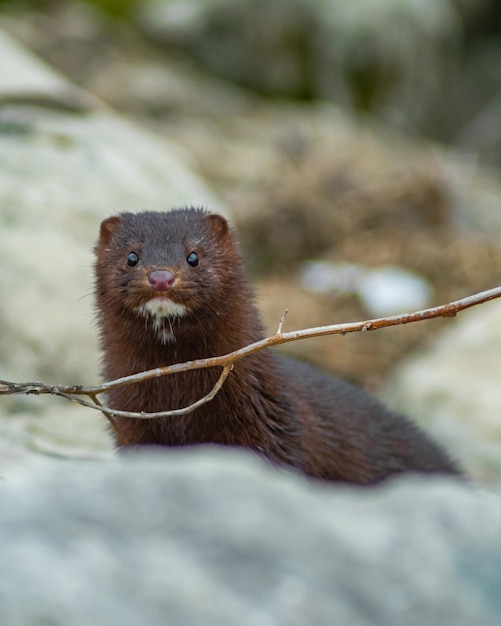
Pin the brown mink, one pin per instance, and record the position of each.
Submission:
(170, 287)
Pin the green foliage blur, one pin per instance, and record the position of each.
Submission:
(116, 8)
(119, 9)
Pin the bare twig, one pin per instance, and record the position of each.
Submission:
(227, 361)
(281, 322)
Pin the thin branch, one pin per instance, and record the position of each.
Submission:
(227, 361)
(281, 322)
(121, 437)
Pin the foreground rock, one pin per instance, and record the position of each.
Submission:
(217, 538)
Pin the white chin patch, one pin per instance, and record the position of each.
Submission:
(163, 307)
(162, 310)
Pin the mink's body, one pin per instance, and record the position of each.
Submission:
(170, 288)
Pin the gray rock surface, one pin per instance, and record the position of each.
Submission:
(202, 537)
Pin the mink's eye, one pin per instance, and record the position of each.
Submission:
(132, 259)
(192, 259)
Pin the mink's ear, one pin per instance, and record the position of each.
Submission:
(218, 225)
(109, 226)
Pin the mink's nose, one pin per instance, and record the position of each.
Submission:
(161, 280)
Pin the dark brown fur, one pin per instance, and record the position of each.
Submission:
(286, 410)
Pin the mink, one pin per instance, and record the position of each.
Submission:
(170, 287)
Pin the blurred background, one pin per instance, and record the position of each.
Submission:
(356, 146)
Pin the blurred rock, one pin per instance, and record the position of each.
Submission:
(384, 290)
(23, 76)
(206, 537)
(61, 173)
(323, 277)
(389, 290)
(452, 388)
(113, 61)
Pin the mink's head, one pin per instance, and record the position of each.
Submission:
(167, 268)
